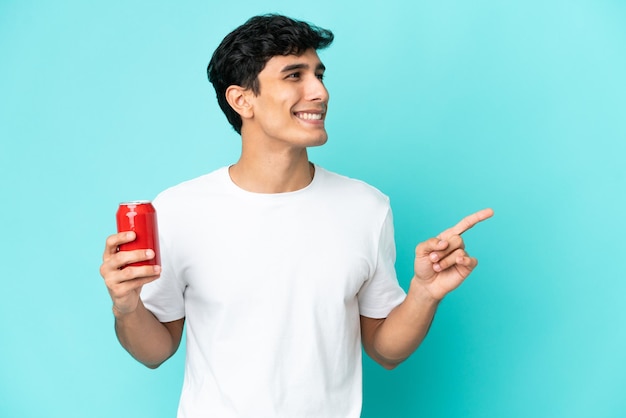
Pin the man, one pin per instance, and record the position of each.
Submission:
(280, 269)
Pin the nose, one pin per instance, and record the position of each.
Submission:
(316, 90)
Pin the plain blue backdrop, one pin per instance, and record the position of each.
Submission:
(447, 107)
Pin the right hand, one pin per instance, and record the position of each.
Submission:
(125, 282)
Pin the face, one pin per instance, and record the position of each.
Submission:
(290, 108)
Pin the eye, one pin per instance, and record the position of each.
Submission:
(320, 76)
(295, 75)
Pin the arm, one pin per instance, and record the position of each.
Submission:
(441, 265)
(138, 330)
(389, 341)
(146, 339)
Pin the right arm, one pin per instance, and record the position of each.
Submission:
(149, 341)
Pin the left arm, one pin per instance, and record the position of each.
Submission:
(441, 265)
(391, 340)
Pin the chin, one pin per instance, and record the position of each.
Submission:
(319, 142)
(321, 139)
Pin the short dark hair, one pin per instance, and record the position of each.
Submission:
(243, 53)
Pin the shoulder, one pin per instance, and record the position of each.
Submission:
(350, 189)
(198, 187)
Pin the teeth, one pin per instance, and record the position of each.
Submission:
(310, 116)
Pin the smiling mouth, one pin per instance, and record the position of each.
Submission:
(309, 116)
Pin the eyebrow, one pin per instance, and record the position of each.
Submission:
(292, 67)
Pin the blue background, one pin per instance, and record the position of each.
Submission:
(446, 106)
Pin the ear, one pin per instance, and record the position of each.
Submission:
(238, 99)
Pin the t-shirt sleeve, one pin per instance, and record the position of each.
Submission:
(164, 297)
(382, 292)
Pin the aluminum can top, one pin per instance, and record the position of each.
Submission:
(135, 202)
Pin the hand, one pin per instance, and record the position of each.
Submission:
(125, 282)
(441, 263)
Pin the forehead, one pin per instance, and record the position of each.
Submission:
(308, 60)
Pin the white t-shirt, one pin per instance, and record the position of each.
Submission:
(272, 286)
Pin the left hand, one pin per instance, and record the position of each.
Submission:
(441, 263)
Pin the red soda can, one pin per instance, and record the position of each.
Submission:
(139, 216)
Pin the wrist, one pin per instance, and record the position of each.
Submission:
(422, 293)
(120, 314)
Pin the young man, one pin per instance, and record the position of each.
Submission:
(280, 269)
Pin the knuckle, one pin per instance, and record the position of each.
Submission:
(112, 240)
(419, 248)
(128, 273)
(108, 270)
(457, 241)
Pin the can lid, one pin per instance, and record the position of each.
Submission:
(135, 202)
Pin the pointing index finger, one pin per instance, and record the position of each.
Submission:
(467, 223)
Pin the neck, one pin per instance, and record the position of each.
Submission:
(281, 173)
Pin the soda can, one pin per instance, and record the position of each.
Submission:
(139, 216)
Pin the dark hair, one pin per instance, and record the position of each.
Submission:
(243, 53)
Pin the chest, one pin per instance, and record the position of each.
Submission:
(271, 255)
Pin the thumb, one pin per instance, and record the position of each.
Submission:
(423, 249)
